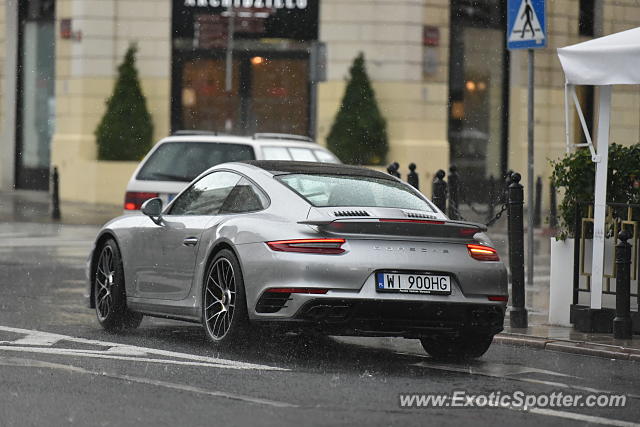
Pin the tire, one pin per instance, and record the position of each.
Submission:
(109, 291)
(463, 347)
(224, 304)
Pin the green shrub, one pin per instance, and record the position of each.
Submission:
(575, 174)
(359, 132)
(126, 129)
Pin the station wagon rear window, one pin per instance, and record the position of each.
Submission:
(183, 161)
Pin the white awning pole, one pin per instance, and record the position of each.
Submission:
(600, 202)
(566, 119)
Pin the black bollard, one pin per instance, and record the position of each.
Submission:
(439, 191)
(396, 168)
(553, 209)
(413, 178)
(454, 182)
(518, 313)
(390, 170)
(492, 198)
(622, 321)
(55, 194)
(537, 213)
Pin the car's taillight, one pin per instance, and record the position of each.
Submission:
(500, 298)
(309, 246)
(483, 253)
(134, 199)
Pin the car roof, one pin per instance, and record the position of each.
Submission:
(255, 141)
(280, 167)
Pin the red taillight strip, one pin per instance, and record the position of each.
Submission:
(133, 200)
(501, 298)
(483, 253)
(297, 290)
(309, 246)
(415, 221)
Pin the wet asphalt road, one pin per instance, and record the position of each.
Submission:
(57, 367)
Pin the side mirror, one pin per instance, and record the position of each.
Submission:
(153, 209)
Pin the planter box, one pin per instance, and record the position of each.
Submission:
(561, 282)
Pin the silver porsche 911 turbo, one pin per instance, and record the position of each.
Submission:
(303, 246)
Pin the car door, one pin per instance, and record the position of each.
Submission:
(166, 266)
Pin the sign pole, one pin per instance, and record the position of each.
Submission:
(530, 169)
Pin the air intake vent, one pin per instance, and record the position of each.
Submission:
(351, 213)
(272, 302)
(419, 215)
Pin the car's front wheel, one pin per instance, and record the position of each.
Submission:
(109, 294)
(464, 346)
(224, 307)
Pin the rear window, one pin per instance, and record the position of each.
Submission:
(338, 190)
(183, 161)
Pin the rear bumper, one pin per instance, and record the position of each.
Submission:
(397, 318)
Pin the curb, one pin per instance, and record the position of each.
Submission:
(606, 351)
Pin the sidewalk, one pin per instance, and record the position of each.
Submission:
(34, 206)
(559, 338)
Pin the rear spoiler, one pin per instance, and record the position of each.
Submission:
(464, 227)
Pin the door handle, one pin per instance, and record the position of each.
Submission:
(190, 241)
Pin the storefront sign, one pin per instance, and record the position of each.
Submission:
(203, 24)
(276, 4)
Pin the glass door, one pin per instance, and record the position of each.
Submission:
(206, 105)
(279, 96)
(478, 95)
(36, 101)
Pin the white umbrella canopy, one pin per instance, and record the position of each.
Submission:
(609, 60)
(606, 61)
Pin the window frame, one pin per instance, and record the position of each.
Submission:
(167, 209)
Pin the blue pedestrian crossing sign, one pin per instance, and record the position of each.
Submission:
(526, 24)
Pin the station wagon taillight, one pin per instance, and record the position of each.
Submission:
(309, 246)
(483, 253)
(134, 199)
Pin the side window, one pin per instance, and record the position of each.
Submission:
(245, 197)
(302, 154)
(275, 153)
(325, 157)
(206, 196)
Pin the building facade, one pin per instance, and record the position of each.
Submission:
(450, 91)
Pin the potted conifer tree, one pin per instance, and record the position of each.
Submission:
(359, 132)
(126, 129)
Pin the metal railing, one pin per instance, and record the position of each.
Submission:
(620, 216)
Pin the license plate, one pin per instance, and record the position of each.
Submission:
(413, 283)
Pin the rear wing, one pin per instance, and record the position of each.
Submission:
(400, 227)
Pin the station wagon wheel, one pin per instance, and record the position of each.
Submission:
(109, 295)
(224, 306)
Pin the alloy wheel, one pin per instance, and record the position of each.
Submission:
(220, 298)
(105, 276)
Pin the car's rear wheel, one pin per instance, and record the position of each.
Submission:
(224, 306)
(464, 346)
(109, 292)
